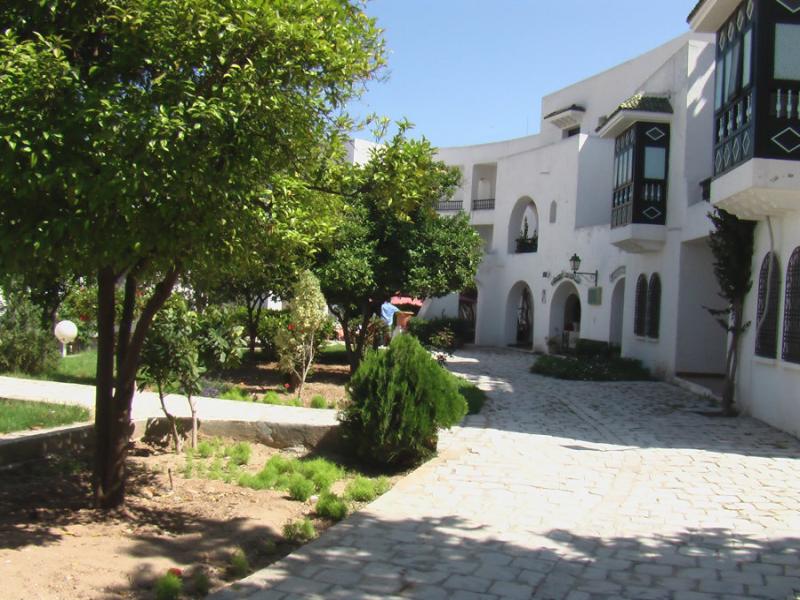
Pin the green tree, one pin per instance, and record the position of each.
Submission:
(392, 239)
(169, 357)
(731, 242)
(299, 343)
(140, 138)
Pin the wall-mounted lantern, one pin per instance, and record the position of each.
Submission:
(575, 264)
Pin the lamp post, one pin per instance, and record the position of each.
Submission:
(65, 332)
(575, 264)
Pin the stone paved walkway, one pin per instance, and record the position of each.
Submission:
(566, 490)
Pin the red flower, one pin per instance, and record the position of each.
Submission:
(175, 571)
(290, 327)
(84, 318)
(286, 385)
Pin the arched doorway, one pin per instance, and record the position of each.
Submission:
(468, 310)
(519, 315)
(617, 312)
(523, 227)
(565, 317)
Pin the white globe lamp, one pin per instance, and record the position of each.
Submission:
(65, 332)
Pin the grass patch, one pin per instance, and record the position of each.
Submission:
(366, 489)
(474, 396)
(299, 532)
(591, 368)
(237, 394)
(333, 354)
(330, 506)
(318, 402)
(168, 587)
(75, 368)
(21, 415)
(286, 474)
(238, 565)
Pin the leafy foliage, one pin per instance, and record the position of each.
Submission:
(731, 242)
(365, 489)
(399, 399)
(141, 139)
(392, 239)
(219, 338)
(25, 344)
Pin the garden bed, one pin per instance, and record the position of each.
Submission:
(591, 368)
(54, 545)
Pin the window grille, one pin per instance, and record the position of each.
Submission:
(653, 306)
(767, 311)
(791, 310)
(640, 311)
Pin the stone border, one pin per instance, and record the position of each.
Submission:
(70, 439)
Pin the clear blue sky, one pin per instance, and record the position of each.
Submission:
(473, 71)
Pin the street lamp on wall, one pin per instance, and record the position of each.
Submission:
(575, 264)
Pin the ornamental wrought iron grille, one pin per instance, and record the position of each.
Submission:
(640, 309)
(654, 306)
(767, 310)
(791, 310)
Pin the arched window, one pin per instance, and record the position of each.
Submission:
(653, 306)
(553, 211)
(791, 310)
(640, 309)
(767, 312)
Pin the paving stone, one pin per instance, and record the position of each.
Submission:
(579, 490)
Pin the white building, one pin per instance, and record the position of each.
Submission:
(623, 173)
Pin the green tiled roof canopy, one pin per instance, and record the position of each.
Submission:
(647, 104)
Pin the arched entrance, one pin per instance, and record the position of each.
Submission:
(519, 315)
(468, 309)
(565, 316)
(617, 312)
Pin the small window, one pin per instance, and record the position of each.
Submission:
(572, 132)
(655, 162)
(747, 57)
(640, 310)
(767, 312)
(787, 52)
(791, 310)
(553, 211)
(654, 306)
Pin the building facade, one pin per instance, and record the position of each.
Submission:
(622, 176)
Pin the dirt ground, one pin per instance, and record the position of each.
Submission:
(53, 545)
(326, 380)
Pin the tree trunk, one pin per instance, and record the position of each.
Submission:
(114, 395)
(173, 423)
(732, 363)
(193, 409)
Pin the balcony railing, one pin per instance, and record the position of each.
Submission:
(483, 204)
(622, 207)
(734, 133)
(445, 205)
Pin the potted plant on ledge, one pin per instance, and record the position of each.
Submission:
(526, 243)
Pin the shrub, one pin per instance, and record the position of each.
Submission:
(26, 346)
(239, 453)
(279, 472)
(168, 587)
(591, 369)
(474, 396)
(330, 506)
(300, 531)
(399, 399)
(592, 348)
(318, 402)
(300, 488)
(200, 583)
(272, 397)
(364, 489)
(272, 321)
(220, 338)
(236, 393)
(436, 333)
(238, 565)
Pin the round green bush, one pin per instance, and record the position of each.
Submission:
(400, 397)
